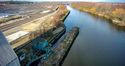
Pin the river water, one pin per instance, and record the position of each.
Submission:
(99, 43)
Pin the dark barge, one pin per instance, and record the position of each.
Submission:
(40, 47)
(60, 53)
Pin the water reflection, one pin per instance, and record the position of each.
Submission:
(99, 43)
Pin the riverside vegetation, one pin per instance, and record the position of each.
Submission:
(112, 11)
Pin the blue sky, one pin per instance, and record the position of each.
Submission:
(75, 0)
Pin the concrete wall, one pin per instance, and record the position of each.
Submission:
(7, 55)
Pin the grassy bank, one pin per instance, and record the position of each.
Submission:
(61, 14)
(40, 26)
(65, 16)
(111, 11)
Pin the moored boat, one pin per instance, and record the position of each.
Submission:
(59, 53)
(39, 48)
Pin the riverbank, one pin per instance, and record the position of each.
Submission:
(64, 17)
(37, 27)
(114, 21)
(51, 36)
(111, 11)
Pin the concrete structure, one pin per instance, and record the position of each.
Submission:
(16, 35)
(7, 54)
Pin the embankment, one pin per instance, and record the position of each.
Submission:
(115, 12)
(38, 26)
(64, 17)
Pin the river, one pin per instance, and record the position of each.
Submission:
(99, 43)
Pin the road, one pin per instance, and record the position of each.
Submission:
(20, 22)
